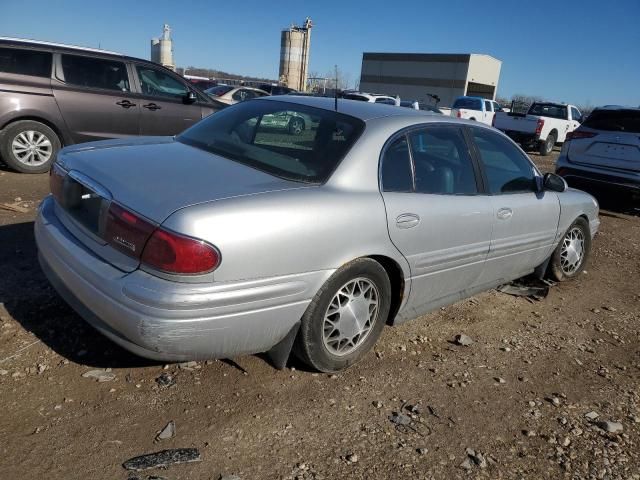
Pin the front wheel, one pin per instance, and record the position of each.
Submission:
(570, 256)
(346, 317)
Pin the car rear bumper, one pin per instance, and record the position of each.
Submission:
(522, 137)
(578, 177)
(165, 320)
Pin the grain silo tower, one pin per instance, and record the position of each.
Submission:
(294, 55)
(162, 49)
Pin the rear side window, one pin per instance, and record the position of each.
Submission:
(487, 105)
(288, 140)
(396, 167)
(614, 120)
(95, 73)
(25, 62)
(351, 96)
(507, 170)
(386, 101)
(441, 161)
(468, 103)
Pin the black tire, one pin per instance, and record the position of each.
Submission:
(296, 126)
(472, 119)
(556, 270)
(310, 345)
(546, 147)
(13, 130)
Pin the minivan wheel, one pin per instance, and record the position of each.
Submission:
(346, 317)
(546, 147)
(571, 254)
(28, 146)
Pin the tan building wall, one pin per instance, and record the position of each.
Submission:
(413, 76)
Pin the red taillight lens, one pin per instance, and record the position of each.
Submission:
(172, 253)
(126, 231)
(56, 182)
(539, 126)
(577, 134)
(459, 114)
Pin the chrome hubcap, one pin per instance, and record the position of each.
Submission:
(572, 251)
(350, 316)
(31, 148)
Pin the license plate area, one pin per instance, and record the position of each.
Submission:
(86, 203)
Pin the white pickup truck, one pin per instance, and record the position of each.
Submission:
(475, 108)
(544, 125)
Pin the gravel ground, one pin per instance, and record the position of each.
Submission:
(548, 389)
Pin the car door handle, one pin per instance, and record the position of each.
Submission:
(505, 213)
(407, 220)
(152, 106)
(125, 104)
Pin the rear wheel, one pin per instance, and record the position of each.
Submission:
(546, 147)
(346, 317)
(29, 146)
(570, 256)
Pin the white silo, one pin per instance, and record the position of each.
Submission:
(295, 43)
(162, 49)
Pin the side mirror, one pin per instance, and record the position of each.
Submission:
(554, 183)
(189, 98)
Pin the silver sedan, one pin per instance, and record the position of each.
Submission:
(235, 238)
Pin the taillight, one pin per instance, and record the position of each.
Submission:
(578, 134)
(459, 114)
(126, 231)
(173, 253)
(56, 182)
(539, 126)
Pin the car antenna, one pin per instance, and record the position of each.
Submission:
(335, 90)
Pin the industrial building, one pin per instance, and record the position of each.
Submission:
(295, 43)
(162, 49)
(421, 76)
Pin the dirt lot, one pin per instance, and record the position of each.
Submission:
(517, 396)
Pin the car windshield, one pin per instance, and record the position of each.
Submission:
(219, 90)
(615, 120)
(549, 110)
(288, 140)
(469, 103)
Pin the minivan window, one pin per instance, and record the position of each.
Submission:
(623, 120)
(25, 62)
(160, 84)
(95, 73)
(259, 134)
(468, 103)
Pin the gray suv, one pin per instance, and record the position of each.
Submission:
(53, 95)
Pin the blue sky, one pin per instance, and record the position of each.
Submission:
(583, 52)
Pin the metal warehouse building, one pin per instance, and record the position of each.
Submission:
(414, 76)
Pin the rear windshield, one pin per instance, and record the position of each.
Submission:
(288, 140)
(614, 120)
(469, 103)
(549, 110)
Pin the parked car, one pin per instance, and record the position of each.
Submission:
(53, 95)
(293, 122)
(201, 82)
(421, 106)
(277, 89)
(475, 108)
(261, 241)
(604, 152)
(369, 97)
(230, 95)
(542, 127)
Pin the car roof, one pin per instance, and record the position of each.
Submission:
(616, 107)
(355, 108)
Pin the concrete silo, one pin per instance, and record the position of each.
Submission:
(294, 55)
(162, 49)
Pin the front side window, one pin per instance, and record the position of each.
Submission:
(487, 106)
(243, 94)
(25, 62)
(506, 167)
(396, 174)
(95, 73)
(288, 140)
(160, 84)
(575, 114)
(497, 107)
(441, 161)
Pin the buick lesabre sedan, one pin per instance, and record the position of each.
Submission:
(234, 239)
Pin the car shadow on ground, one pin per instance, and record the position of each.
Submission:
(31, 301)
